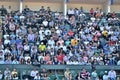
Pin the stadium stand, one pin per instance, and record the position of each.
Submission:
(45, 45)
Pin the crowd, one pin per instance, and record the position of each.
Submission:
(85, 75)
(47, 37)
(43, 74)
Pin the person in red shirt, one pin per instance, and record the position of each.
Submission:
(91, 11)
(70, 33)
(60, 57)
(113, 14)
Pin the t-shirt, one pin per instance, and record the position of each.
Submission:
(105, 77)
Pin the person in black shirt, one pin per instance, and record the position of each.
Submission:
(3, 10)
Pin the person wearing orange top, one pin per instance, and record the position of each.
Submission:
(47, 58)
(74, 42)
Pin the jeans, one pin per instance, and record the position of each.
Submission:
(112, 78)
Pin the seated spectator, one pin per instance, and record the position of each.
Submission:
(1, 75)
(112, 74)
(34, 73)
(14, 74)
(94, 75)
(43, 72)
(78, 77)
(84, 74)
(66, 73)
(70, 77)
(45, 77)
(15, 61)
(37, 77)
(7, 74)
(15, 77)
(8, 61)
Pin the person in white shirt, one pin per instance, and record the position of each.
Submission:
(70, 12)
(69, 62)
(47, 31)
(33, 73)
(41, 31)
(37, 77)
(22, 17)
(105, 76)
(27, 57)
(6, 35)
(51, 42)
(26, 48)
(45, 23)
(6, 41)
(7, 50)
(75, 62)
(112, 74)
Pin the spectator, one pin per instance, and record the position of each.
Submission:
(105, 76)
(1, 75)
(112, 74)
(84, 74)
(3, 10)
(70, 77)
(14, 74)
(37, 77)
(7, 74)
(34, 74)
(66, 73)
(45, 77)
(94, 75)
(78, 76)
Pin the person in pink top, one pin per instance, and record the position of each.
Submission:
(61, 42)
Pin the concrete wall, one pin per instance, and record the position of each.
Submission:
(115, 8)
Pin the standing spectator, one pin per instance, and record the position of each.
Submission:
(92, 12)
(3, 10)
(105, 76)
(112, 74)
(70, 12)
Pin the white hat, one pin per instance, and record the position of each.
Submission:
(105, 71)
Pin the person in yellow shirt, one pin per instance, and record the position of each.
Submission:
(105, 32)
(14, 72)
(74, 42)
(42, 47)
